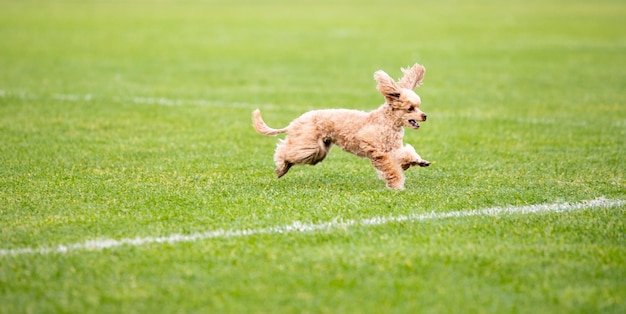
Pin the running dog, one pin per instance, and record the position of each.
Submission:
(376, 135)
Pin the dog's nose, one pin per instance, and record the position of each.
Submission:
(424, 116)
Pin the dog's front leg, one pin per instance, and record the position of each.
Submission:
(389, 170)
(408, 157)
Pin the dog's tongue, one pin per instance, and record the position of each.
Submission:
(414, 123)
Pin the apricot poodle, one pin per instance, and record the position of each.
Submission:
(376, 135)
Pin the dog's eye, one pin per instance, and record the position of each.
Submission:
(411, 108)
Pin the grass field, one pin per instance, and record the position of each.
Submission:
(125, 122)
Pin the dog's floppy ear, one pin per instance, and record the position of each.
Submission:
(387, 86)
(413, 76)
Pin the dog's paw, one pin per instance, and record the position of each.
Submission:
(282, 169)
(423, 163)
(396, 187)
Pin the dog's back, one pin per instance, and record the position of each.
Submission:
(337, 126)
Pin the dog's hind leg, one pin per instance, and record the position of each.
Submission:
(297, 151)
(280, 158)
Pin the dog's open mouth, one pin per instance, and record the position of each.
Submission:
(414, 124)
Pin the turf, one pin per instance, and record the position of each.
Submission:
(125, 119)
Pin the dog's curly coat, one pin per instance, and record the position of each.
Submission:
(376, 135)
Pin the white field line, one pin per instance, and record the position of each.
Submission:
(160, 101)
(299, 227)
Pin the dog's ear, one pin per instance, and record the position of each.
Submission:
(387, 86)
(413, 76)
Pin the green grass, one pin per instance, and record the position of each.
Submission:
(125, 119)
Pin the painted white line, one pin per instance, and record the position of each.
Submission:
(299, 227)
(160, 101)
(171, 102)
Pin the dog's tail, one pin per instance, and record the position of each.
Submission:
(261, 127)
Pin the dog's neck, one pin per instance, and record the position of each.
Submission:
(385, 115)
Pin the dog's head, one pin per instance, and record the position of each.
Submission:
(404, 102)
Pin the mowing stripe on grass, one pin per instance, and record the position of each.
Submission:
(299, 227)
